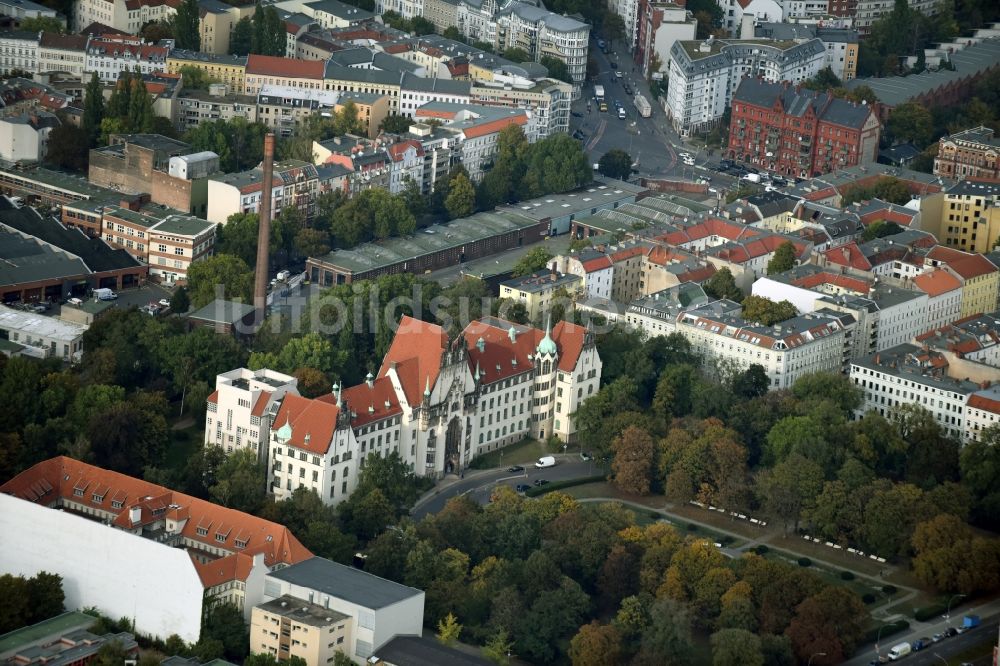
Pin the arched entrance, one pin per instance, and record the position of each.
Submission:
(452, 444)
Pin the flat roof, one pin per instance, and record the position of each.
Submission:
(60, 624)
(343, 582)
(542, 281)
(221, 311)
(302, 611)
(420, 651)
(598, 193)
(33, 324)
(183, 225)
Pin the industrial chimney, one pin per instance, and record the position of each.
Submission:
(264, 231)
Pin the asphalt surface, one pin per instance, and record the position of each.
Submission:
(947, 650)
(479, 484)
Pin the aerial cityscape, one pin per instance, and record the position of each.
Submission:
(470, 332)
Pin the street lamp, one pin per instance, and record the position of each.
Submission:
(815, 654)
(947, 615)
(877, 637)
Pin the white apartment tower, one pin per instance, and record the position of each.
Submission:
(241, 409)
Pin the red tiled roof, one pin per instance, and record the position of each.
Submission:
(416, 352)
(937, 282)
(967, 265)
(819, 195)
(368, 404)
(313, 422)
(984, 403)
(843, 281)
(569, 338)
(501, 357)
(224, 570)
(596, 264)
(57, 477)
(261, 404)
(290, 67)
(214, 397)
(397, 150)
(848, 255)
(494, 126)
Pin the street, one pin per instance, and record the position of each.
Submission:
(479, 484)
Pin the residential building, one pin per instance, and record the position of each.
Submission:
(980, 278)
(539, 292)
(841, 43)
(941, 382)
(275, 71)
(218, 103)
(25, 9)
(371, 108)
(18, 51)
(124, 15)
(787, 350)
(227, 69)
(965, 216)
(288, 627)
(657, 313)
(440, 149)
(594, 268)
(368, 81)
(283, 108)
(41, 336)
(704, 75)
(405, 8)
(294, 184)
(971, 153)
(944, 296)
(480, 127)
(800, 133)
(442, 13)
(629, 11)
(217, 22)
(407, 164)
(869, 11)
(546, 100)
(335, 14)
(63, 53)
(659, 25)
(25, 137)
(240, 411)
(976, 338)
(755, 10)
(61, 514)
(415, 91)
(110, 55)
(376, 610)
(887, 313)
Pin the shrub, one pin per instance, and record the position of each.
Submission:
(654, 515)
(868, 598)
(889, 589)
(930, 612)
(846, 575)
(762, 549)
(805, 562)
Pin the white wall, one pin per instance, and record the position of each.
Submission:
(804, 300)
(121, 574)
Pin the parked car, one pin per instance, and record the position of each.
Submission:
(921, 643)
(684, 155)
(618, 73)
(546, 461)
(950, 631)
(164, 303)
(514, 469)
(576, 114)
(541, 482)
(584, 456)
(522, 487)
(937, 638)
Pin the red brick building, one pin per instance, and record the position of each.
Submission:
(798, 132)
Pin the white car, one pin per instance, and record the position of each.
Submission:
(689, 161)
(618, 73)
(713, 190)
(164, 303)
(685, 156)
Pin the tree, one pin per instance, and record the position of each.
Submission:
(220, 276)
(736, 647)
(241, 40)
(140, 108)
(767, 312)
(224, 623)
(241, 483)
(911, 122)
(832, 621)
(667, 637)
(347, 121)
(268, 36)
(555, 164)
(395, 124)
(497, 648)
(129, 435)
(93, 109)
(15, 610)
(614, 27)
(448, 630)
(783, 259)
(392, 476)
(42, 24)
(154, 31)
(824, 80)
(46, 596)
(615, 163)
(596, 645)
(180, 302)
(633, 462)
(880, 229)
(557, 68)
(516, 54)
(790, 487)
(979, 462)
(723, 285)
(535, 260)
(186, 27)
(69, 148)
(461, 199)
(950, 558)
(312, 243)
(195, 78)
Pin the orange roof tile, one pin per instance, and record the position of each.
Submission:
(494, 126)
(984, 403)
(55, 478)
(368, 405)
(290, 67)
(967, 265)
(313, 422)
(224, 570)
(848, 255)
(397, 150)
(937, 282)
(261, 404)
(596, 264)
(214, 397)
(416, 352)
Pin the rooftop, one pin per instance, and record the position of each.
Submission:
(58, 625)
(184, 225)
(30, 325)
(598, 193)
(302, 612)
(347, 583)
(420, 651)
(789, 334)
(981, 135)
(974, 188)
(539, 282)
(924, 366)
(221, 311)
(198, 56)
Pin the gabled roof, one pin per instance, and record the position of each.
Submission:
(416, 352)
(290, 67)
(398, 150)
(848, 255)
(313, 422)
(937, 282)
(224, 570)
(58, 478)
(368, 404)
(967, 265)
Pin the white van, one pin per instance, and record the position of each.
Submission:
(546, 461)
(899, 651)
(75, 301)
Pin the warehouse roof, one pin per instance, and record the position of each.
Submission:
(344, 582)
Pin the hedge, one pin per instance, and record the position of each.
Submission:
(846, 575)
(868, 598)
(559, 485)
(887, 629)
(805, 562)
(761, 549)
(930, 612)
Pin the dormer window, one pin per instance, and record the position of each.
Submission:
(116, 504)
(220, 537)
(241, 544)
(97, 498)
(78, 492)
(202, 531)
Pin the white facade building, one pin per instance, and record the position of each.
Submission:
(241, 409)
(657, 313)
(41, 336)
(733, 12)
(405, 8)
(125, 15)
(407, 164)
(704, 75)
(379, 609)
(18, 51)
(595, 269)
(944, 296)
(629, 11)
(786, 351)
(109, 57)
(25, 138)
(294, 184)
(62, 53)
(437, 403)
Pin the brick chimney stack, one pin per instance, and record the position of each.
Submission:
(264, 230)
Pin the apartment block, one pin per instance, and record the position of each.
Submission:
(658, 25)
(217, 22)
(841, 43)
(869, 11)
(657, 313)
(18, 51)
(808, 343)
(294, 184)
(971, 153)
(365, 610)
(288, 627)
(538, 292)
(62, 53)
(125, 15)
(25, 137)
(980, 277)
(218, 103)
(283, 108)
(799, 132)
(546, 100)
(110, 55)
(976, 338)
(227, 69)
(965, 216)
(242, 407)
(704, 75)
(275, 71)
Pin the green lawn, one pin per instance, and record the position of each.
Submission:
(525, 451)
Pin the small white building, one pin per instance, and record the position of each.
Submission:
(41, 336)
(25, 138)
(294, 184)
(241, 409)
(379, 609)
(407, 163)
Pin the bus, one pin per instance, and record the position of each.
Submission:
(599, 93)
